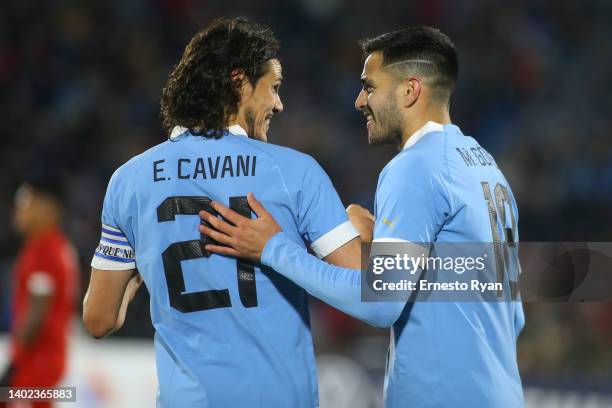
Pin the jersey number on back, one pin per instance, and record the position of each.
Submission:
(185, 250)
(506, 251)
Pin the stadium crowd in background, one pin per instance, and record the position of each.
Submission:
(81, 86)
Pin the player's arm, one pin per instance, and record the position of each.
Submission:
(321, 219)
(413, 212)
(363, 220)
(114, 280)
(261, 238)
(107, 298)
(41, 293)
(38, 305)
(349, 254)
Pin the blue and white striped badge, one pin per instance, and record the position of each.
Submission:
(114, 251)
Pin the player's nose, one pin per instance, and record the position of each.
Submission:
(360, 102)
(278, 106)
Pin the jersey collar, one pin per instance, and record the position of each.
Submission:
(427, 128)
(237, 130)
(233, 129)
(177, 131)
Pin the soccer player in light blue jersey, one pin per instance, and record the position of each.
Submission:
(228, 333)
(442, 187)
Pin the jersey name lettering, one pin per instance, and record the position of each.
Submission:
(205, 168)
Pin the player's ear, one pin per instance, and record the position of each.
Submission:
(237, 76)
(410, 91)
(240, 81)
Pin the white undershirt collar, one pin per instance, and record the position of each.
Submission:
(237, 130)
(233, 129)
(177, 131)
(427, 128)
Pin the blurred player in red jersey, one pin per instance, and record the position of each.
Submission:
(45, 280)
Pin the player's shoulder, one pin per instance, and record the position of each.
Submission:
(134, 167)
(288, 159)
(426, 156)
(281, 153)
(144, 157)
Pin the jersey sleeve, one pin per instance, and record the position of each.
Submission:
(43, 276)
(336, 286)
(323, 222)
(412, 202)
(114, 252)
(41, 283)
(47, 264)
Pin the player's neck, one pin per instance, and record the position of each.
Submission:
(413, 125)
(237, 119)
(41, 228)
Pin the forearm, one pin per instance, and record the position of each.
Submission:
(27, 332)
(336, 286)
(33, 321)
(127, 298)
(102, 329)
(107, 300)
(97, 324)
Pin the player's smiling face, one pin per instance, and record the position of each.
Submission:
(378, 102)
(259, 104)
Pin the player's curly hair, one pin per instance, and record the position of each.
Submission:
(200, 94)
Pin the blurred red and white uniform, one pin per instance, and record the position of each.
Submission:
(46, 265)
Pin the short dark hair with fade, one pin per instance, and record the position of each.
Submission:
(200, 94)
(419, 50)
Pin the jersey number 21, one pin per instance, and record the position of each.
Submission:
(185, 250)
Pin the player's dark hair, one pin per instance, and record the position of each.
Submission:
(200, 94)
(421, 49)
(48, 183)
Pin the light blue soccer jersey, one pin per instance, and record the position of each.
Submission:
(227, 333)
(444, 188)
(441, 188)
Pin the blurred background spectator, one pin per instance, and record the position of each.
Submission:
(45, 279)
(81, 81)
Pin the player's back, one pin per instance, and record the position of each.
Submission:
(227, 332)
(450, 353)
